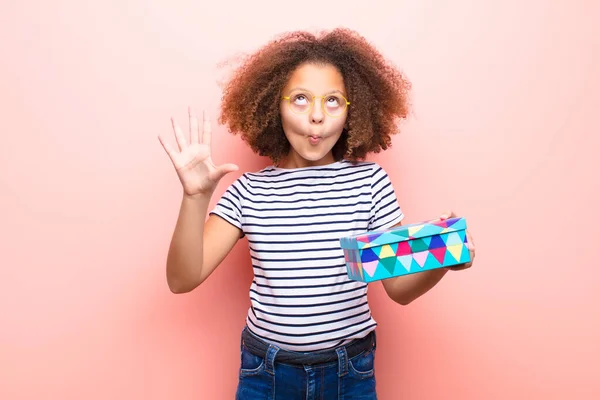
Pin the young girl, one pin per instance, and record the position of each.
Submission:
(316, 105)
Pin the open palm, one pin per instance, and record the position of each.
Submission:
(193, 163)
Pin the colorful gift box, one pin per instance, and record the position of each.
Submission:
(404, 250)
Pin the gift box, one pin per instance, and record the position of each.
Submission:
(408, 249)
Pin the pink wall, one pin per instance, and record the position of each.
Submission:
(505, 132)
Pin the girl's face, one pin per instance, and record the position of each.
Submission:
(315, 114)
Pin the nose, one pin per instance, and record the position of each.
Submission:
(316, 114)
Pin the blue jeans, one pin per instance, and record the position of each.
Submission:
(265, 378)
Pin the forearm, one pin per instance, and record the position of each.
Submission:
(184, 260)
(407, 288)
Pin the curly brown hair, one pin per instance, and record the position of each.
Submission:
(377, 90)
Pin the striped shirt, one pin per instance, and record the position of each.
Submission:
(301, 297)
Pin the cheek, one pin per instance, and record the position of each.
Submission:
(336, 125)
(292, 122)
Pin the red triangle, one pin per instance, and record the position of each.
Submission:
(403, 249)
(363, 239)
(439, 254)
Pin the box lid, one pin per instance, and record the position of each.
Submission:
(402, 233)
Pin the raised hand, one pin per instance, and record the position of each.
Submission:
(195, 168)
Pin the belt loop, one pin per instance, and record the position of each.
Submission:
(342, 361)
(270, 359)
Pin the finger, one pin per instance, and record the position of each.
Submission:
(224, 169)
(447, 214)
(470, 239)
(469, 242)
(167, 147)
(181, 142)
(206, 129)
(194, 132)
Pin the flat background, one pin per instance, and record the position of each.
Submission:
(504, 131)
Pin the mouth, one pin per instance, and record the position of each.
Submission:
(314, 139)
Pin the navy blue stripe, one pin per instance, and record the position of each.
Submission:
(301, 296)
(226, 207)
(335, 181)
(288, 260)
(305, 286)
(375, 195)
(330, 303)
(347, 231)
(308, 223)
(295, 250)
(384, 216)
(310, 324)
(300, 200)
(310, 192)
(307, 207)
(293, 241)
(301, 277)
(380, 179)
(319, 314)
(310, 215)
(294, 268)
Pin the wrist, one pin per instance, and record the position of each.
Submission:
(198, 199)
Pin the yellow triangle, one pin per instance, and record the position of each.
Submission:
(456, 251)
(414, 229)
(445, 230)
(386, 251)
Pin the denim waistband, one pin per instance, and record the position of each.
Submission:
(260, 348)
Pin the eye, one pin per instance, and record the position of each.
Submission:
(300, 99)
(333, 101)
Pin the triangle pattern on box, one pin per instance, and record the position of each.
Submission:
(410, 249)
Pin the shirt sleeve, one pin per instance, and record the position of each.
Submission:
(385, 210)
(229, 206)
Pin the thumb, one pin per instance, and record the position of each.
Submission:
(224, 169)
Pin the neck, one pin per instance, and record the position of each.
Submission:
(294, 160)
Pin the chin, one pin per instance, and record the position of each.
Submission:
(314, 159)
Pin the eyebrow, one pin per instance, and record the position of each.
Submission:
(306, 90)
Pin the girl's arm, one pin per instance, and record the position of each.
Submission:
(198, 245)
(407, 288)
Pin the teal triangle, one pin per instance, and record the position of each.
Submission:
(401, 233)
(388, 263)
(419, 245)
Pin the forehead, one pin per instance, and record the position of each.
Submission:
(318, 78)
